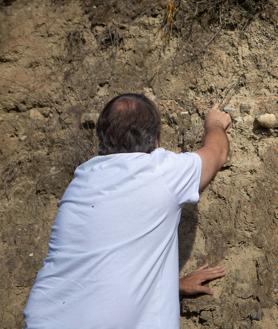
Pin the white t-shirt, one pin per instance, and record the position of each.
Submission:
(113, 251)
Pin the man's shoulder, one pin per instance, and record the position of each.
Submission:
(162, 153)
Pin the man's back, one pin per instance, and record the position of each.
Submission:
(113, 251)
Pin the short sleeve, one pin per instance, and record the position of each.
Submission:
(182, 174)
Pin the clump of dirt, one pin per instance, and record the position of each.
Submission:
(60, 61)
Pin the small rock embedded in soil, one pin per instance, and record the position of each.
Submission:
(206, 316)
(89, 120)
(22, 138)
(173, 119)
(244, 108)
(256, 315)
(46, 112)
(184, 114)
(21, 108)
(233, 112)
(267, 121)
(229, 109)
(36, 115)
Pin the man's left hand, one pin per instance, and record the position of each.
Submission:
(192, 284)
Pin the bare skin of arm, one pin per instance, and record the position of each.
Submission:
(213, 153)
(215, 149)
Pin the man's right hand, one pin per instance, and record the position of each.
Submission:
(218, 118)
(215, 148)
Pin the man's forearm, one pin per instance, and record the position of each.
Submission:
(215, 149)
(216, 139)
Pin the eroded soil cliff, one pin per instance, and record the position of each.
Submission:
(60, 61)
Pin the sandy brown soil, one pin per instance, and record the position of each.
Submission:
(60, 61)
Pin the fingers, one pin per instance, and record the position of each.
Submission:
(212, 276)
(204, 290)
(202, 267)
(216, 269)
(210, 273)
(217, 118)
(210, 269)
(192, 283)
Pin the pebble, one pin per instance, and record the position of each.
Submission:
(206, 315)
(267, 120)
(46, 112)
(256, 315)
(35, 114)
(184, 114)
(229, 109)
(244, 108)
(22, 138)
(150, 93)
(89, 120)
(173, 119)
(21, 107)
(232, 111)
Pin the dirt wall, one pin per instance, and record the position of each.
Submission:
(60, 61)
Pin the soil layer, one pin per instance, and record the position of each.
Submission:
(60, 61)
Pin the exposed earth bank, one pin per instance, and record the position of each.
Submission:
(60, 61)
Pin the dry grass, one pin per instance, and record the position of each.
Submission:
(169, 18)
(182, 15)
(230, 14)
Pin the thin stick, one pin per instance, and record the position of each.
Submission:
(230, 91)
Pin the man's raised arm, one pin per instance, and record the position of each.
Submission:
(214, 151)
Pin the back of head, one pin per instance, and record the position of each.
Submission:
(128, 123)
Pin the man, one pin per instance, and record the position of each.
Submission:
(113, 251)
